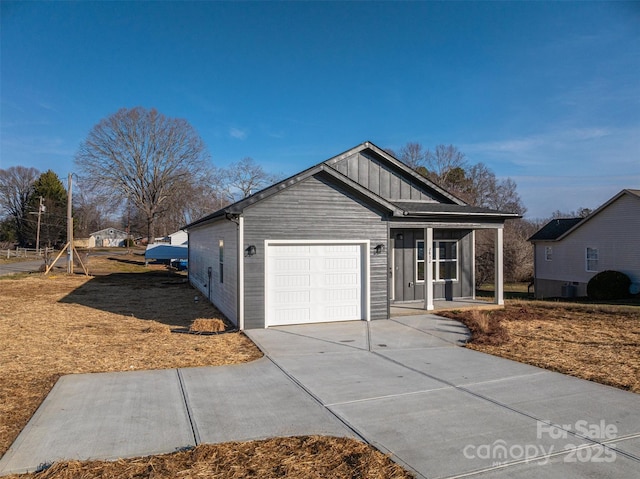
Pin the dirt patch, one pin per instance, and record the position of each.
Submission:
(597, 343)
(294, 457)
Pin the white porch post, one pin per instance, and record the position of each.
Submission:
(428, 269)
(499, 265)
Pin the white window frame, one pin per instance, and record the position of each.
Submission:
(418, 261)
(548, 253)
(591, 261)
(435, 261)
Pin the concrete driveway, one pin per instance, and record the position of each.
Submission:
(402, 385)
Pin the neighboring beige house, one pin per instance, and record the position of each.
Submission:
(569, 252)
(108, 238)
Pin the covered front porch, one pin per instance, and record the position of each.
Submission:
(432, 266)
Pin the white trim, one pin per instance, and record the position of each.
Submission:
(240, 273)
(365, 251)
(499, 267)
(473, 263)
(428, 269)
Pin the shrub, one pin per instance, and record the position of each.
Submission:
(609, 285)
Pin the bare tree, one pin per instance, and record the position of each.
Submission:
(145, 157)
(581, 212)
(16, 186)
(91, 210)
(413, 155)
(442, 160)
(245, 178)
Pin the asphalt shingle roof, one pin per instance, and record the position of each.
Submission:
(555, 228)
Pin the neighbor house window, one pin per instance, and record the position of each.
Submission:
(221, 260)
(445, 260)
(548, 253)
(592, 259)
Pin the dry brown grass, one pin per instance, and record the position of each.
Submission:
(57, 324)
(595, 342)
(121, 320)
(305, 457)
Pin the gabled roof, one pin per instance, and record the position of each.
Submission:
(367, 145)
(554, 229)
(551, 232)
(452, 206)
(110, 231)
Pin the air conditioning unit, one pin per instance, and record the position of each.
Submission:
(568, 291)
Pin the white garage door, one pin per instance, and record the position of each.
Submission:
(313, 283)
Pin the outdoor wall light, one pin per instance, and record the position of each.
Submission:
(251, 250)
(400, 236)
(379, 249)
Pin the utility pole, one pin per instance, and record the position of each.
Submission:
(40, 210)
(69, 230)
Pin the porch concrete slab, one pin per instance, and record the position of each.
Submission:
(354, 376)
(448, 330)
(312, 338)
(578, 464)
(447, 432)
(105, 416)
(253, 401)
(566, 400)
(460, 366)
(385, 335)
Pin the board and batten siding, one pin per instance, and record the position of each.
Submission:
(381, 178)
(314, 209)
(204, 253)
(614, 231)
(406, 286)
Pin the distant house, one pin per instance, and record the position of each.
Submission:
(108, 238)
(569, 252)
(342, 240)
(177, 238)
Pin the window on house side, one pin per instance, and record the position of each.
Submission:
(592, 259)
(548, 253)
(221, 260)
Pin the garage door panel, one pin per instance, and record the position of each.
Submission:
(314, 283)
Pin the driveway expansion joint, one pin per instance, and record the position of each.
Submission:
(185, 398)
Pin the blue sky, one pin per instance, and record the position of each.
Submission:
(545, 93)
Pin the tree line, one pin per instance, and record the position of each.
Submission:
(139, 171)
(149, 174)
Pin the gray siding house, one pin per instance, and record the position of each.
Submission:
(342, 240)
(108, 237)
(569, 252)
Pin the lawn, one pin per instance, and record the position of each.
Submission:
(120, 319)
